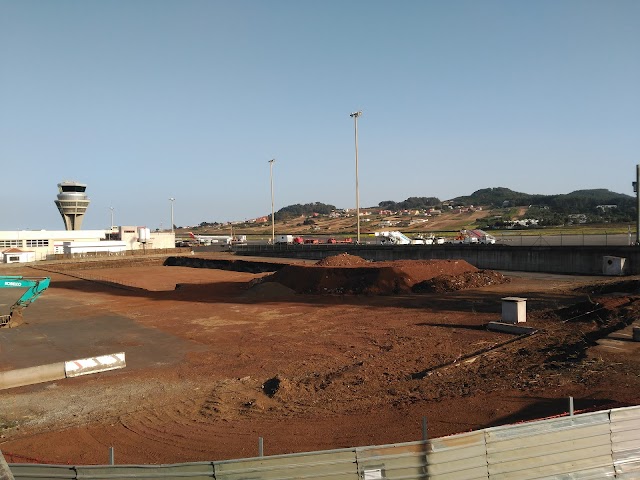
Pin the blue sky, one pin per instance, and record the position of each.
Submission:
(144, 100)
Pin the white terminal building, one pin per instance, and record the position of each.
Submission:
(31, 246)
(72, 202)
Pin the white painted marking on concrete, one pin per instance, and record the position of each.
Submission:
(101, 363)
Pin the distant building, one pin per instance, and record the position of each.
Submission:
(578, 218)
(15, 255)
(28, 246)
(606, 207)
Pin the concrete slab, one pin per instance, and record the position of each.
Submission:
(56, 332)
(510, 328)
(620, 342)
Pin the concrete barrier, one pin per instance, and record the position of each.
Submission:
(85, 366)
(31, 375)
(58, 371)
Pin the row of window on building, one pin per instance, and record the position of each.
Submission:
(29, 243)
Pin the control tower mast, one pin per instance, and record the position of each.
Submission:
(72, 203)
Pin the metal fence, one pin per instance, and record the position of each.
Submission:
(597, 445)
(126, 253)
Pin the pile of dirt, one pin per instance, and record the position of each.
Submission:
(451, 283)
(342, 260)
(268, 291)
(349, 274)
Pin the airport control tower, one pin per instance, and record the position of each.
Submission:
(72, 203)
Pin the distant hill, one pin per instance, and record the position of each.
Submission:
(580, 199)
(496, 207)
(410, 203)
(581, 206)
(496, 197)
(296, 210)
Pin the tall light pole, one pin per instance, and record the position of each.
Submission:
(636, 188)
(273, 218)
(355, 116)
(111, 208)
(172, 200)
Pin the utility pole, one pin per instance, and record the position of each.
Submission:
(172, 200)
(273, 218)
(355, 116)
(636, 188)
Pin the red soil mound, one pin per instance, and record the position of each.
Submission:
(343, 260)
(351, 274)
(450, 283)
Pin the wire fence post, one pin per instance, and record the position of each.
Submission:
(112, 458)
(260, 447)
(425, 436)
(571, 406)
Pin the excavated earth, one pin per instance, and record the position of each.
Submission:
(307, 355)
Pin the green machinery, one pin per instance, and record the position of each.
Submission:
(34, 286)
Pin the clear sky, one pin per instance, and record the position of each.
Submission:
(144, 100)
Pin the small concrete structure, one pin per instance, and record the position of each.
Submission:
(613, 265)
(514, 310)
(636, 334)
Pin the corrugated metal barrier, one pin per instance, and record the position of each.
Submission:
(595, 445)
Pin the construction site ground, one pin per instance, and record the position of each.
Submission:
(218, 358)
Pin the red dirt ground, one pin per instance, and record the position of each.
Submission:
(228, 357)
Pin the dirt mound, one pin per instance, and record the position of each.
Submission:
(451, 283)
(268, 291)
(363, 277)
(342, 260)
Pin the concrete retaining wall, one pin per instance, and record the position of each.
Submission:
(586, 260)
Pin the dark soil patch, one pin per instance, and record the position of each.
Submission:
(451, 283)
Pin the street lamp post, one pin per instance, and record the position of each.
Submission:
(636, 188)
(111, 208)
(355, 116)
(273, 218)
(172, 200)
